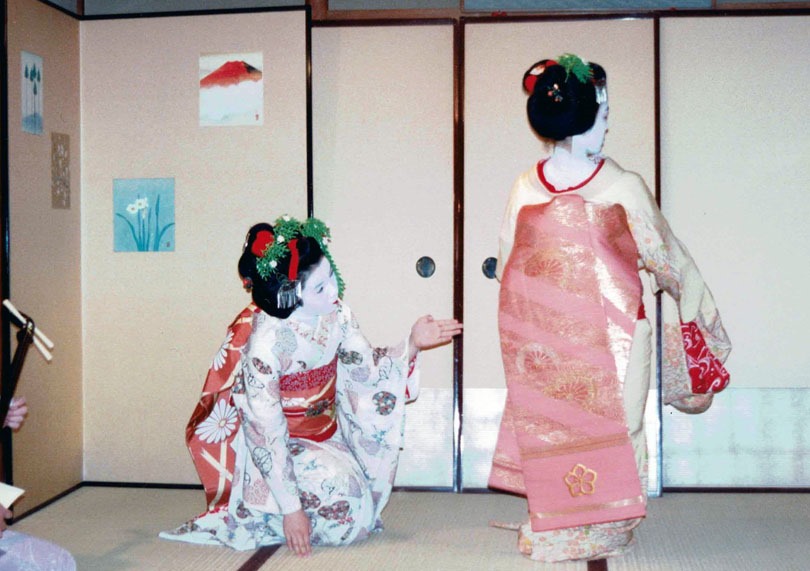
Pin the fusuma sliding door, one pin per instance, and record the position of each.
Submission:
(734, 178)
(383, 174)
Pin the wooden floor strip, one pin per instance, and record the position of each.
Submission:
(259, 558)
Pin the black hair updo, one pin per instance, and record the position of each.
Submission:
(265, 291)
(560, 104)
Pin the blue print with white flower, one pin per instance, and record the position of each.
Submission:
(144, 215)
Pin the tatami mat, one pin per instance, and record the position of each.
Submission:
(114, 529)
(722, 532)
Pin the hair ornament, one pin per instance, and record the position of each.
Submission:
(284, 243)
(530, 77)
(263, 238)
(292, 273)
(289, 294)
(555, 94)
(601, 91)
(573, 64)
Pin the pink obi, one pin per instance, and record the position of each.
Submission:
(315, 419)
(569, 302)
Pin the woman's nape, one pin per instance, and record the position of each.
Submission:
(575, 158)
(589, 144)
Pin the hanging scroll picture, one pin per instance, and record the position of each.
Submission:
(231, 90)
(143, 215)
(60, 170)
(31, 82)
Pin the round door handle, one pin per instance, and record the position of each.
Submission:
(425, 266)
(488, 267)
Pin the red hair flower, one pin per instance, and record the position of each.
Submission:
(263, 238)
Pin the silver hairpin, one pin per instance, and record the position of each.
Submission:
(289, 294)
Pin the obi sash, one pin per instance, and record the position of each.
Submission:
(313, 416)
(568, 306)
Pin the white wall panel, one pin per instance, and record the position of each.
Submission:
(735, 176)
(153, 321)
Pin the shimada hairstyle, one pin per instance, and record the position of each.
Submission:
(564, 96)
(277, 259)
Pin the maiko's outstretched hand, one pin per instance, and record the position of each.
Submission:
(427, 332)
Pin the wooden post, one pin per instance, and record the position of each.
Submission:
(320, 9)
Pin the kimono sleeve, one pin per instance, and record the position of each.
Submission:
(265, 426)
(372, 388)
(213, 426)
(371, 366)
(695, 342)
(521, 195)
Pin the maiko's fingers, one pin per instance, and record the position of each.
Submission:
(451, 325)
(303, 547)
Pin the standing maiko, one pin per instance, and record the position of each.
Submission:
(574, 336)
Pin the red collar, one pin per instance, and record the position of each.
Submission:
(554, 190)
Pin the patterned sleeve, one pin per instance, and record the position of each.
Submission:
(373, 386)
(370, 365)
(265, 427)
(695, 341)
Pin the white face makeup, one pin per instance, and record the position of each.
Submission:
(319, 295)
(592, 140)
